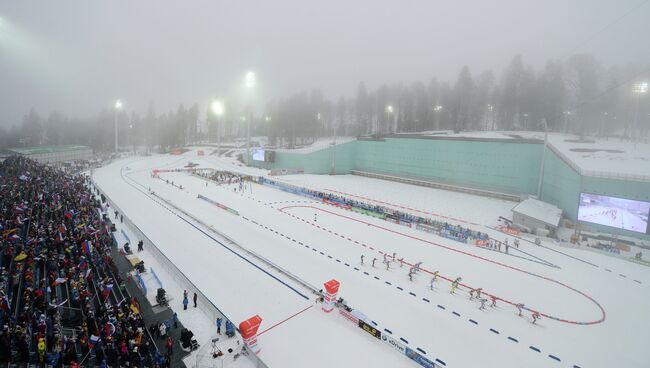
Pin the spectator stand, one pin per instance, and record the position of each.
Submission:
(57, 301)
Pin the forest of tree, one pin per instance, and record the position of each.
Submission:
(577, 96)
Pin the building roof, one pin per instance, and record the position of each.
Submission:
(538, 210)
(48, 149)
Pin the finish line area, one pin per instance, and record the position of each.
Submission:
(317, 242)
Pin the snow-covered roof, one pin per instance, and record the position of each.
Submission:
(541, 211)
(320, 144)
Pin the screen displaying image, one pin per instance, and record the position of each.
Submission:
(626, 214)
(258, 154)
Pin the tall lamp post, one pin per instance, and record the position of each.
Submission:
(118, 106)
(249, 83)
(389, 112)
(217, 110)
(541, 166)
(638, 89)
(436, 119)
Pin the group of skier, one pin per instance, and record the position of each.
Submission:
(474, 293)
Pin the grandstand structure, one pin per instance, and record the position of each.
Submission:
(64, 301)
(55, 154)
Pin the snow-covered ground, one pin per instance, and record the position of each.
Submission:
(600, 302)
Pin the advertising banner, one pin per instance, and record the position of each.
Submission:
(416, 357)
(370, 329)
(393, 343)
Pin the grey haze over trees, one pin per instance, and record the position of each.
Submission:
(578, 96)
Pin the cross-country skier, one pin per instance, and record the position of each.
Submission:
(385, 257)
(471, 294)
(401, 262)
(535, 317)
(519, 307)
(315, 218)
(394, 254)
(433, 279)
(517, 243)
(411, 274)
(494, 301)
(387, 265)
(362, 259)
(478, 293)
(482, 300)
(373, 261)
(454, 285)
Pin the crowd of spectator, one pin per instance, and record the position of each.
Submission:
(62, 300)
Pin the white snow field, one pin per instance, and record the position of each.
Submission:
(596, 306)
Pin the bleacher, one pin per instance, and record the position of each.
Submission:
(62, 300)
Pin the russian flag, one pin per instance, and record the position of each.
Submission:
(93, 340)
(59, 280)
(13, 237)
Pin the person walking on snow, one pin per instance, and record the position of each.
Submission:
(194, 299)
(185, 302)
(517, 243)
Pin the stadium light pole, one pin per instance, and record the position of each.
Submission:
(639, 89)
(217, 109)
(117, 107)
(249, 83)
(436, 112)
(389, 111)
(541, 165)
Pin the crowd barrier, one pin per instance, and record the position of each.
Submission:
(203, 303)
(222, 206)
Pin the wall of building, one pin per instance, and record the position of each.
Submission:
(504, 165)
(317, 162)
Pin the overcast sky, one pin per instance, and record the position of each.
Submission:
(79, 56)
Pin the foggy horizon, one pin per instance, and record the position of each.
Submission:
(78, 58)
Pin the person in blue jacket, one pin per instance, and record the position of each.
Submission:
(219, 326)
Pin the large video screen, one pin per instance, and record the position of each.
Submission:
(626, 214)
(258, 154)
